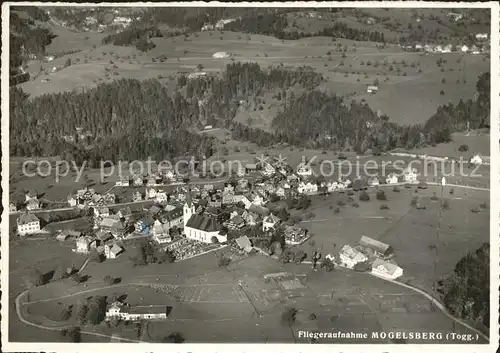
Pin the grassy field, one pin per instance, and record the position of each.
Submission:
(211, 307)
(401, 97)
(411, 232)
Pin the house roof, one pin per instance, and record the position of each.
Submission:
(237, 219)
(243, 242)
(271, 219)
(374, 244)
(172, 214)
(26, 218)
(108, 222)
(116, 249)
(389, 267)
(103, 235)
(155, 209)
(203, 223)
(352, 253)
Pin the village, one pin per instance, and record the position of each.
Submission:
(240, 216)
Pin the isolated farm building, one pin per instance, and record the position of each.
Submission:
(464, 48)
(112, 251)
(28, 223)
(12, 207)
(380, 249)
(119, 311)
(386, 269)
(244, 243)
(391, 179)
(208, 127)
(350, 257)
(372, 89)
(410, 175)
(270, 222)
(482, 36)
(204, 229)
(477, 159)
(221, 23)
(221, 55)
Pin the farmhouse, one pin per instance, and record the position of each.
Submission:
(28, 223)
(379, 248)
(372, 89)
(270, 222)
(386, 269)
(477, 159)
(12, 207)
(33, 204)
(350, 257)
(118, 310)
(84, 244)
(410, 175)
(304, 170)
(112, 251)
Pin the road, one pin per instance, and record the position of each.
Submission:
(438, 304)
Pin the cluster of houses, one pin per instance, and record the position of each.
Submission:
(88, 197)
(31, 202)
(448, 48)
(370, 254)
(219, 25)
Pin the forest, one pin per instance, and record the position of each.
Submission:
(130, 119)
(466, 292)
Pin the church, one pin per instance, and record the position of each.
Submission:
(200, 227)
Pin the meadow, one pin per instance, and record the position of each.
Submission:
(410, 83)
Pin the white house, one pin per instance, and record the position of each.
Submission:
(477, 159)
(161, 232)
(386, 269)
(221, 55)
(84, 244)
(304, 170)
(72, 201)
(392, 179)
(150, 193)
(12, 207)
(28, 223)
(464, 48)
(120, 311)
(33, 204)
(349, 257)
(112, 251)
(307, 188)
(269, 222)
(372, 89)
(161, 196)
(482, 36)
(410, 175)
(268, 170)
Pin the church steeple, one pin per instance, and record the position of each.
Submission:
(188, 209)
